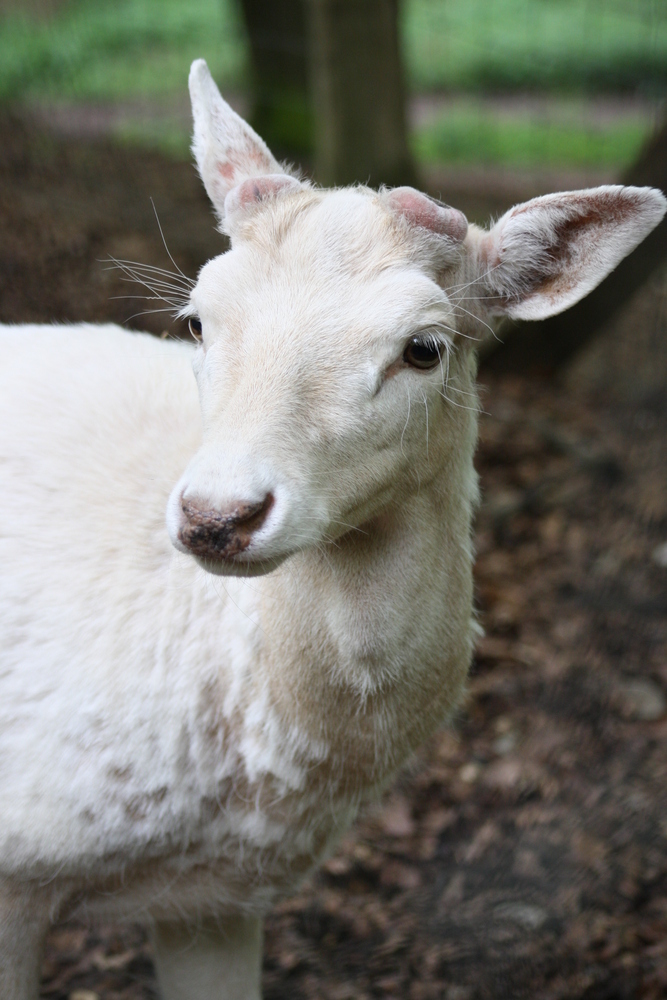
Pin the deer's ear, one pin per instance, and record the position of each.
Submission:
(543, 256)
(226, 149)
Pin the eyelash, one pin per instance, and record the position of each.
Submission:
(422, 353)
(194, 326)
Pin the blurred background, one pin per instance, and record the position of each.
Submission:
(514, 84)
(482, 103)
(525, 853)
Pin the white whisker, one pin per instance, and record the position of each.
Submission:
(406, 421)
(165, 242)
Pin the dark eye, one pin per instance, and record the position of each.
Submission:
(195, 327)
(421, 353)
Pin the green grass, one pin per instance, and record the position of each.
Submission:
(463, 137)
(565, 45)
(107, 50)
(119, 50)
(166, 135)
(470, 135)
(111, 49)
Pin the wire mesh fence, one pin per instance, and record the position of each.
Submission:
(529, 854)
(516, 83)
(526, 83)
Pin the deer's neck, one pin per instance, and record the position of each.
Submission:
(367, 642)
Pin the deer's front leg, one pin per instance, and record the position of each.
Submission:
(23, 926)
(214, 959)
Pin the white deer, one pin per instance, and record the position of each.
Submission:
(191, 715)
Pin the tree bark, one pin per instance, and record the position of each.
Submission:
(358, 93)
(282, 108)
(550, 345)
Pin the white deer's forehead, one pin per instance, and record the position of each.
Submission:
(337, 265)
(326, 307)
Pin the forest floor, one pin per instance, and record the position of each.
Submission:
(524, 852)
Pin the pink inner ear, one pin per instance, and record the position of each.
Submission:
(422, 211)
(256, 190)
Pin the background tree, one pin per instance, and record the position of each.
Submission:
(358, 93)
(282, 111)
(328, 85)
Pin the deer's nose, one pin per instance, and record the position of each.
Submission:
(221, 534)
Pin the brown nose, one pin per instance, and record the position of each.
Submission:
(220, 534)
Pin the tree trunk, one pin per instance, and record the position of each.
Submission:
(282, 109)
(360, 132)
(551, 344)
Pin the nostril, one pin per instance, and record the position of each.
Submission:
(212, 533)
(250, 517)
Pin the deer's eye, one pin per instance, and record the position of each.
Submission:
(421, 353)
(195, 327)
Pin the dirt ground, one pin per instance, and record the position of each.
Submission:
(524, 852)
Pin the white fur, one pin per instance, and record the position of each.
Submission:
(185, 745)
(548, 253)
